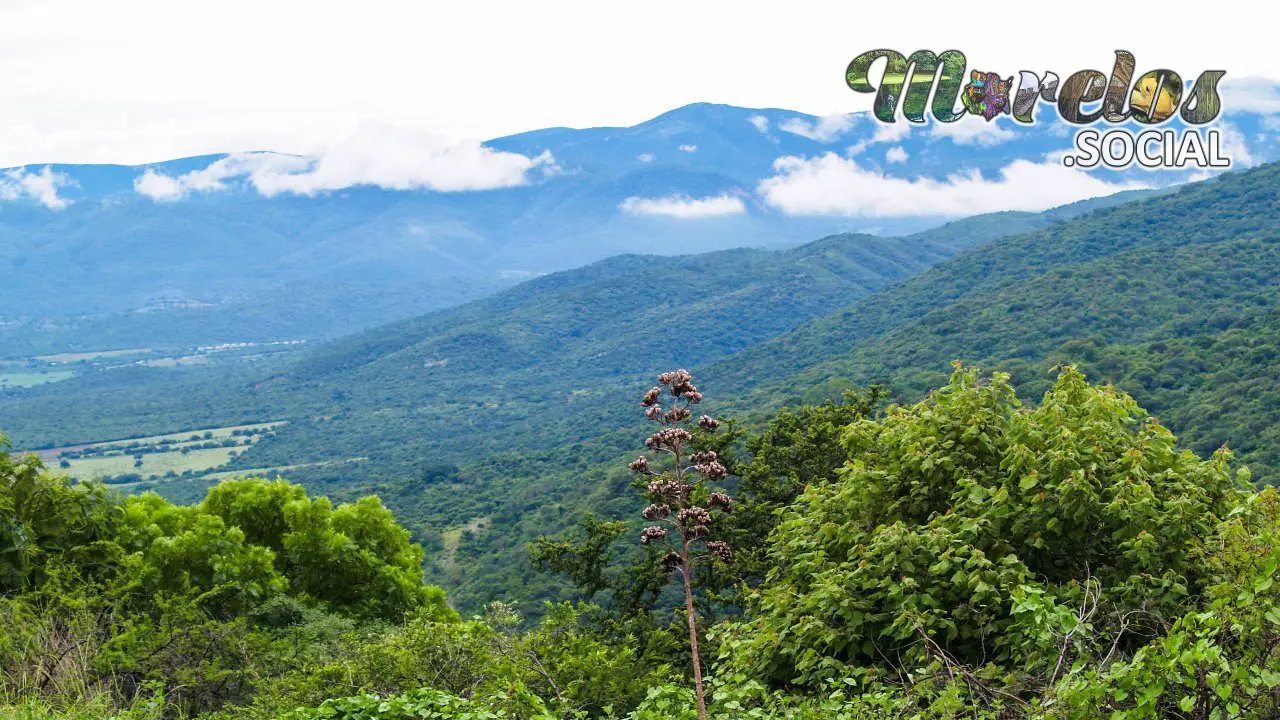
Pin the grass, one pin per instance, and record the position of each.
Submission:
(216, 434)
(452, 539)
(27, 379)
(153, 464)
(83, 356)
(118, 459)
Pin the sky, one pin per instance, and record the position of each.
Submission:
(135, 81)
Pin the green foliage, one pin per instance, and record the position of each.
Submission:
(44, 517)
(356, 558)
(584, 559)
(257, 505)
(118, 601)
(797, 449)
(962, 557)
(1218, 660)
(425, 703)
(967, 528)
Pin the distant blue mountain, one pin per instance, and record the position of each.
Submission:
(259, 267)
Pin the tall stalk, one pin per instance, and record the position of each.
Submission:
(692, 500)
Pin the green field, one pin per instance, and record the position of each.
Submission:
(93, 355)
(271, 472)
(31, 378)
(453, 539)
(152, 464)
(157, 455)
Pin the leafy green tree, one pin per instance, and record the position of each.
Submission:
(44, 517)
(798, 449)
(184, 549)
(356, 558)
(255, 506)
(964, 528)
(584, 559)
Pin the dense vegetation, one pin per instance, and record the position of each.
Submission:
(964, 556)
(405, 382)
(1172, 297)
(459, 419)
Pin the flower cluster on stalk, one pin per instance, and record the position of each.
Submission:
(673, 492)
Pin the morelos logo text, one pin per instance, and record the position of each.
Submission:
(1084, 98)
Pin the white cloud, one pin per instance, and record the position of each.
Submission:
(257, 168)
(1250, 94)
(689, 148)
(824, 130)
(896, 154)
(1235, 146)
(883, 133)
(386, 157)
(760, 122)
(973, 130)
(42, 186)
(645, 157)
(832, 185)
(158, 186)
(1058, 128)
(252, 166)
(684, 207)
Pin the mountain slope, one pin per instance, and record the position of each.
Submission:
(1173, 297)
(74, 277)
(245, 266)
(587, 324)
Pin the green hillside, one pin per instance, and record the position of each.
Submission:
(1173, 298)
(412, 386)
(492, 423)
(480, 423)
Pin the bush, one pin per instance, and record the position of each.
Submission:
(967, 531)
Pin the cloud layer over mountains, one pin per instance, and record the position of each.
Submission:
(698, 162)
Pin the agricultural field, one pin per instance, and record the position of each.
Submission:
(67, 358)
(28, 372)
(24, 378)
(182, 454)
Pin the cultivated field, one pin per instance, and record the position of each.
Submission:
(31, 378)
(189, 453)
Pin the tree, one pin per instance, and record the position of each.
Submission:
(798, 449)
(584, 559)
(966, 531)
(256, 506)
(356, 558)
(43, 518)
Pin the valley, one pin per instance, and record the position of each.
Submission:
(495, 408)
(514, 407)
(457, 361)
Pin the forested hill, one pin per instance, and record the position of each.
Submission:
(1174, 298)
(411, 389)
(485, 424)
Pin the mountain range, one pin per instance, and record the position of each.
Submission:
(488, 422)
(267, 247)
